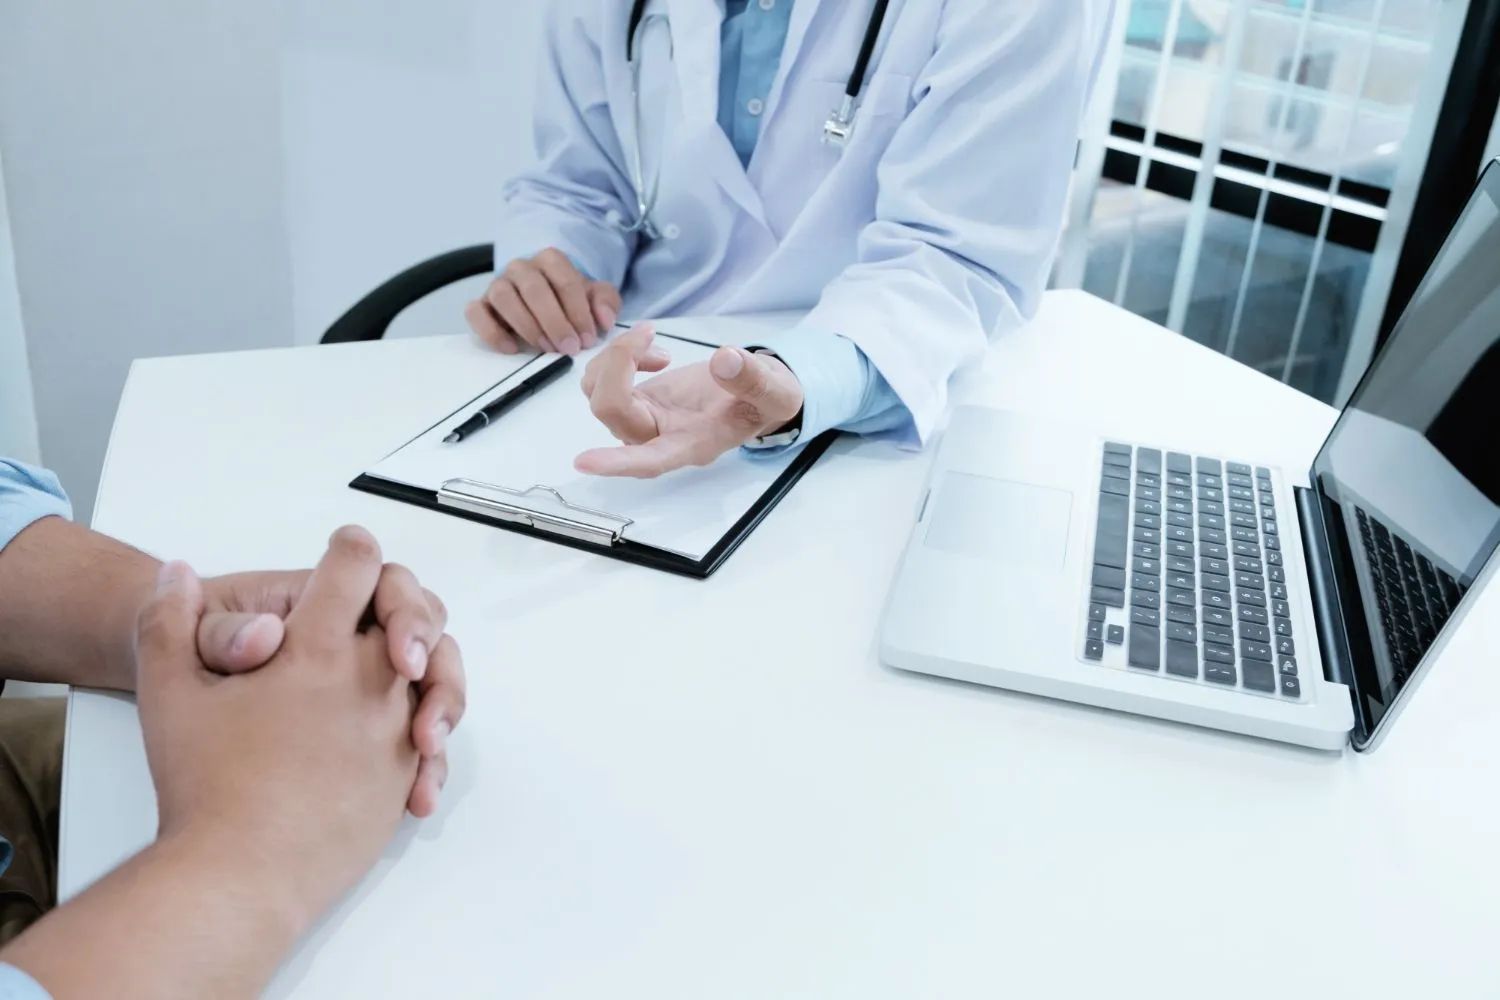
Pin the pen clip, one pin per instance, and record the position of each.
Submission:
(583, 523)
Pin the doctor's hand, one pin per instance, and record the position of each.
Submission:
(688, 416)
(544, 303)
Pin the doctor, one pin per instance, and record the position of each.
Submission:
(898, 167)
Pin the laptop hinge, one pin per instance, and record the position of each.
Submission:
(1329, 618)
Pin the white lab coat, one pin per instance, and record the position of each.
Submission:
(933, 230)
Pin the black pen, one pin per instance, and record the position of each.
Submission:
(492, 412)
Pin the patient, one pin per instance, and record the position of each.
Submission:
(289, 720)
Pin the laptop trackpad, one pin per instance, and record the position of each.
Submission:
(1015, 523)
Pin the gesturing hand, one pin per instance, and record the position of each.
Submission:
(244, 625)
(687, 416)
(301, 768)
(546, 304)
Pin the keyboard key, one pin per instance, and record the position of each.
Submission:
(1144, 550)
(1246, 535)
(1277, 574)
(1093, 649)
(1114, 486)
(1220, 673)
(1177, 520)
(1211, 501)
(1179, 507)
(1290, 687)
(1182, 598)
(1251, 598)
(1116, 635)
(1144, 581)
(1246, 565)
(1107, 596)
(1151, 567)
(1213, 652)
(1272, 558)
(1261, 472)
(1148, 521)
(1182, 658)
(1115, 448)
(1148, 459)
(1217, 616)
(1179, 493)
(1145, 616)
(1237, 480)
(1179, 463)
(1117, 460)
(1144, 599)
(1177, 564)
(1283, 627)
(1281, 609)
(1213, 521)
(1243, 507)
(1110, 531)
(1243, 521)
(1255, 651)
(1182, 581)
(1210, 481)
(1285, 646)
(1222, 636)
(1147, 493)
(1182, 633)
(1147, 535)
(1254, 615)
(1238, 468)
(1268, 527)
(1145, 647)
(1177, 533)
(1109, 576)
(1250, 581)
(1259, 676)
(1212, 581)
(1212, 466)
(1213, 536)
(1246, 549)
(1184, 549)
(1096, 630)
(1240, 493)
(1181, 615)
(1215, 599)
(1257, 633)
(1288, 665)
(1179, 479)
(1148, 480)
(1152, 507)
(1096, 612)
(1273, 546)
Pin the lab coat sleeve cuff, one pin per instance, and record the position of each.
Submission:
(596, 249)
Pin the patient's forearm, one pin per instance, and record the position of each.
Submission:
(186, 918)
(68, 602)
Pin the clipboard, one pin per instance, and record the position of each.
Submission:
(626, 520)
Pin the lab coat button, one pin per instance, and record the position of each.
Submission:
(755, 106)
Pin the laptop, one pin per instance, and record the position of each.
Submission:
(1208, 589)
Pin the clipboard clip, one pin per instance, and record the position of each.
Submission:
(505, 504)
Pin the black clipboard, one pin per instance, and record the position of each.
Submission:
(588, 530)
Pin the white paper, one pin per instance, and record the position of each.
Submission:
(686, 512)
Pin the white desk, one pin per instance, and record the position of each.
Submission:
(653, 797)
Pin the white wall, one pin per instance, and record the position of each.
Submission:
(206, 175)
(17, 412)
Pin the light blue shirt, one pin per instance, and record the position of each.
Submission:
(840, 387)
(27, 495)
(17, 985)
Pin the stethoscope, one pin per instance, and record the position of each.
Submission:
(837, 130)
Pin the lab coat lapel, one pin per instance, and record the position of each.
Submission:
(796, 33)
(696, 26)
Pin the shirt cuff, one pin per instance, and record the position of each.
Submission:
(17, 985)
(27, 495)
(840, 387)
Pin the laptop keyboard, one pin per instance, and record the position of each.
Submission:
(1188, 576)
(1415, 598)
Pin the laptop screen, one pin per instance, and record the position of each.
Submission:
(1411, 472)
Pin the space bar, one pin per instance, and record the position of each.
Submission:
(1109, 539)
